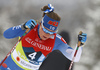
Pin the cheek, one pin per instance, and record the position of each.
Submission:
(41, 32)
(45, 34)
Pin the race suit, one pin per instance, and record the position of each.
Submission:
(31, 50)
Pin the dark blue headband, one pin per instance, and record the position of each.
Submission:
(50, 23)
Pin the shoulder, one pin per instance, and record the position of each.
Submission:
(60, 39)
(60, 43)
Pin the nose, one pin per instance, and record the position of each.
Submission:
(47, 34)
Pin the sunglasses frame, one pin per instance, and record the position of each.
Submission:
(47, 31)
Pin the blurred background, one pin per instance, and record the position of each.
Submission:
(76, 15)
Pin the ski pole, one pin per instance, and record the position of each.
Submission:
(14, 47)
(79, 43)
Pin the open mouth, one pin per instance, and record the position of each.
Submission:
(44, 37)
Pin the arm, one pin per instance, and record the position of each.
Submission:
(68, 52)
(13, 32)
(19, 30)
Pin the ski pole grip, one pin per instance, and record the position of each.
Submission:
(79, 42)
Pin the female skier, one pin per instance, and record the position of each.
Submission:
(42, 39)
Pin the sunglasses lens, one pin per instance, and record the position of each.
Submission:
(46, 31)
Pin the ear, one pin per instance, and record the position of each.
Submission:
(40, 25)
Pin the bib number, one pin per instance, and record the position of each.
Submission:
(32, 55)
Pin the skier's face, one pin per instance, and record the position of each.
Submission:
(43, 35)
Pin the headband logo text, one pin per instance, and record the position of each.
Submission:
(53, 23)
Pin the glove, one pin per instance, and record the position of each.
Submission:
(82, 37)
(30, 24)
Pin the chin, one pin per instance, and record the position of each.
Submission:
(44, 39)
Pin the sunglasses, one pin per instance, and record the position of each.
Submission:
(47, 31)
